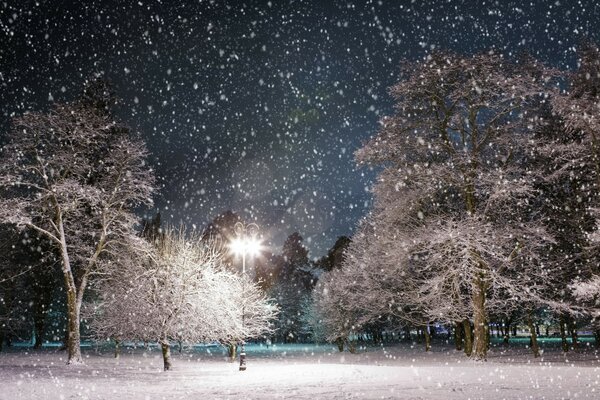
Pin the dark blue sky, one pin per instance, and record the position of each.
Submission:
(258, 106)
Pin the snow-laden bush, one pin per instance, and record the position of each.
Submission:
(177, 290)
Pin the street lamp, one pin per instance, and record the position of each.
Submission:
(245, 242)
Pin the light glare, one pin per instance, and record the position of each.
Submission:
(249, 246)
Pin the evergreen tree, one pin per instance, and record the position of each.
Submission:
(335, 255)
(292, 287)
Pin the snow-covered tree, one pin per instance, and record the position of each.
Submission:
(587, 294)
(336, 309)
(312, 325)
(179, 291)
(454, 201)
(372, 289)
(574, 156)
(320, 318)
(73, 175)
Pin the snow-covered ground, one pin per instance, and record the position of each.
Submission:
(302, 372)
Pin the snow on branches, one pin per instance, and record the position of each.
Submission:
(73, 174)
(454, 234)
(179, 291)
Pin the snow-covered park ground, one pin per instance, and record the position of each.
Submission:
(302, 372)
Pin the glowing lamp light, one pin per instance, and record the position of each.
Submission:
(246, 246)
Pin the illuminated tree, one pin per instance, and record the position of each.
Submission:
(179, 291)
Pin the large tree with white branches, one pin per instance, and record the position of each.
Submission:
(73, 175)
(454, 202)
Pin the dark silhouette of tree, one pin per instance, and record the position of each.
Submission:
(294, 252)
(335, 255)
(268, 269)
(152, 229)
(292, 288)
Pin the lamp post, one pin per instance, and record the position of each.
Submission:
(245, 242)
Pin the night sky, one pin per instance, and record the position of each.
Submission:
(258, 106)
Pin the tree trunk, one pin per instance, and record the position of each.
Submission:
(351, 343)
(377, 337)
(340, 344)
(573, 332)
(117, 349)
(8, 301)
(458, 336)
(166, 352)
(43, 296)
(506, 332)
(468, 337)
(487, 336)
(563, 334)
(479, 320)
(38, 332)
(73, 302)
(232, 351)
(427, 338)
(74, 338)
(534, 343)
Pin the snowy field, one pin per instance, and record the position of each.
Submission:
(302, 372)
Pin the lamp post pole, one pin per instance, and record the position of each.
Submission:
(243, 349)
(244, 244)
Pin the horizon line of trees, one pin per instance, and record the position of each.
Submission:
(485, 212)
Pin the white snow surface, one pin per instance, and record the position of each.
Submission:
(302, 372)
